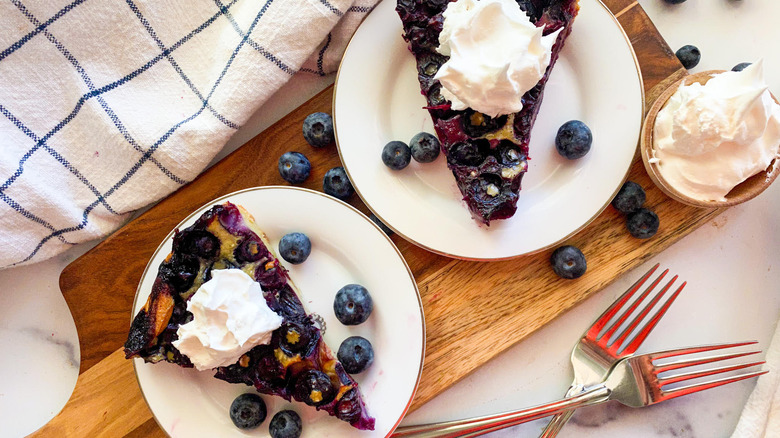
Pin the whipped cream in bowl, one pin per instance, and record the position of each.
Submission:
(230, 316)
(496, 54)
(713, 138)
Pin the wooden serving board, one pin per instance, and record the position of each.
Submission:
(466, 303)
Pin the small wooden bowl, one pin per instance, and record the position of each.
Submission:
(744, 191)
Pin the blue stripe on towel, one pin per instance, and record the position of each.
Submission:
(176, 67)
(151, 150)
(15, 46)
(103, 90)
(252, 43)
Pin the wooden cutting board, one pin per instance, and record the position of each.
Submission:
(467, 304)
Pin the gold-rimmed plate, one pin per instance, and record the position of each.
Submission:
(377, 99)
(347, 247)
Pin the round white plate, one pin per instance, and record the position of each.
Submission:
(347, 247)
(377, 99)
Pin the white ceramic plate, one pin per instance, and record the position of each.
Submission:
(346, 248)
(377, 99)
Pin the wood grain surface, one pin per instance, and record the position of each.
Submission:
(466, 304)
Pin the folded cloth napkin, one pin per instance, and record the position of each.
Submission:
(109, 105)
(761, 415)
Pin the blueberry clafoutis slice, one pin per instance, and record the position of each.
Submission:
(487, 155)
(296, 364)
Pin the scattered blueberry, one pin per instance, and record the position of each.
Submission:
(294, 167)
(642, 223)
(247, 411)
(568, 262)
(381, 224)
(353, 304)
(295, 248)
(741, 66)
(285, 424)
(356, 354)
(674, 2)
(396, 155)
(336, 183)
(318, 129)
(629, 198)
(425, 147)
(573, 140)
(689, 56)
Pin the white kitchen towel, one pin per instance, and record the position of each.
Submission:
(109, 105)
(761, 415)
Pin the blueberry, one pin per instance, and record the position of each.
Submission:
(396, 155)
(353, 304)
(674, 2)
(568, 262)
(741, 66)
(356, 354)
(200, 243)
(381, 225)
(629, 198)
(642, 223)
(297, 338)
(294, 167)
(314, 388)
(425, 147)
(689, 56)
(295, 248)
(247, 411)
(573, 139)
(249, 250)
(318, 129)
(336, 183)
(285, 424)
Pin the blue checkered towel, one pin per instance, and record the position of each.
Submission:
(109, 105)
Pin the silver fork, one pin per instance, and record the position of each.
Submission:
(634, 381)
(594, 355)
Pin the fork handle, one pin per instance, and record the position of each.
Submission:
(480, 425)
(560, 419)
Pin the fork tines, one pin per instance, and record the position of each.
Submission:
(618, 345)
(686, 363)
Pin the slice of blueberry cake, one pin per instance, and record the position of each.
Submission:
(295, 364)
(487, 155)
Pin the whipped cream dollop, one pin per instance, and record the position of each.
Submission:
(230, 316)
(709, 138)
(496, 55)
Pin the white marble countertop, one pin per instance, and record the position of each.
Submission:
(731, 265)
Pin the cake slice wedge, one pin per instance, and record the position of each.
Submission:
(488, 156)
(296, 364)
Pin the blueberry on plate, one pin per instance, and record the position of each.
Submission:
(353, 304)
(642, 223)
(396, 155)
(568, 262)
(295, 248)
(425, 147)
(573, 140)
(294, 167)
(674, 2)
(285, 424)
(689, 56)
(247, 411)
(629, 198)
(318, 129)
(356, 354)
(336, 183)
(741, 66)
